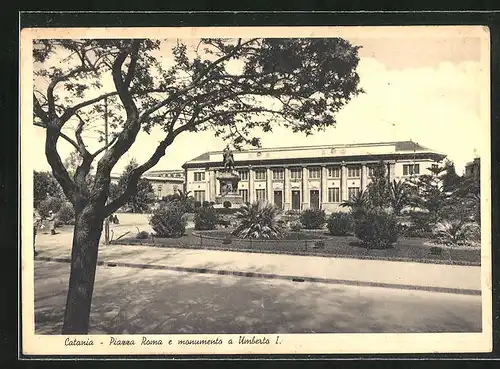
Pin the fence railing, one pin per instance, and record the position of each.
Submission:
(205, 239)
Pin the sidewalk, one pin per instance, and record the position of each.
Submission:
(392, 274)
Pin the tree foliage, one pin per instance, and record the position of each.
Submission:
(141, 200)
(45, 185)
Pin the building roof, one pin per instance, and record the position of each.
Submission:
(375, 149)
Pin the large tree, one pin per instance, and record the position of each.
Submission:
(229, 86)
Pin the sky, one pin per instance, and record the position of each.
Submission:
(426, 89)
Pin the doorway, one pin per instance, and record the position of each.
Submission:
(295, 200)
(314, 199)
(278, 199)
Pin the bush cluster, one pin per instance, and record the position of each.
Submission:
(340, 224)
(205, 218)
(142, 235)
(377, 229)
(168, 220)
(66, 214)
(313, 218)
(50, 204)
(227, 204)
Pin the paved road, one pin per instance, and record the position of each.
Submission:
(131, 300)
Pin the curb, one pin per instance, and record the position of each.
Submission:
(275, 276)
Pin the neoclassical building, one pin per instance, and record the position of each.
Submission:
(308, 176)
(164, 182)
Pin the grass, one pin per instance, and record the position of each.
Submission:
(306, 243)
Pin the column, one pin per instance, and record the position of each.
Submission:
(217, 184)
(364, 177)
(391, 171)
(212, 185)
(343, 183)
(305, 188)
(251, 183)
(286, 189)
(324, 189)
(269, 185)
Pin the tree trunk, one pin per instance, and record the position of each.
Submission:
(87, 232)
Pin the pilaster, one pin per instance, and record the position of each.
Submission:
(343, 183)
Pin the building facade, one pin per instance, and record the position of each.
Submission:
(164, 182)
(298, 178)
(473, 169)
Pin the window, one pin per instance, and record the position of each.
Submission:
(296, 173)
(199, 195)
(159, 188)
(353, 172)
(243, 175)
(334, 194)
(244, 195)
(353, 192)
(334, 172)
(199, 176)
(260, 174)
(314, 173)
(410, 169)
(260, 194)
(371, 171)
(278, 174)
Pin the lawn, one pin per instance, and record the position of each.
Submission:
(306, 243)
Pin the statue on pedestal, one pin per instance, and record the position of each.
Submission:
(228, 159)
(228, 179)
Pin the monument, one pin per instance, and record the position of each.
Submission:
(228, 179)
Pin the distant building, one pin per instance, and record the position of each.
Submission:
(473, 169)
(308, 176)
(164, 182)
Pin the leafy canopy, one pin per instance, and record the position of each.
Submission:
(230, 86)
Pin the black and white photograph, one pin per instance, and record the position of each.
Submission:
(255, 190)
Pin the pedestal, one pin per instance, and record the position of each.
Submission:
(229, 188)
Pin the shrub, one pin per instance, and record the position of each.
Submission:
(295, 226)
(340, 224)
(377, 229)
(205, 218)
(259, 220)
(205, 204)
(453, 232)
(50, 204)
(227, 204)
(142, 235)
(435, 250)
(197, 204)
(168, 220)
(66, 214)
(313, 218)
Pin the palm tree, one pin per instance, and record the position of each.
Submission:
(259, 220)
(399, 196)
(359, 204)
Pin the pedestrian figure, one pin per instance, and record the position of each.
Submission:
(52, 223)
(37, 219)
